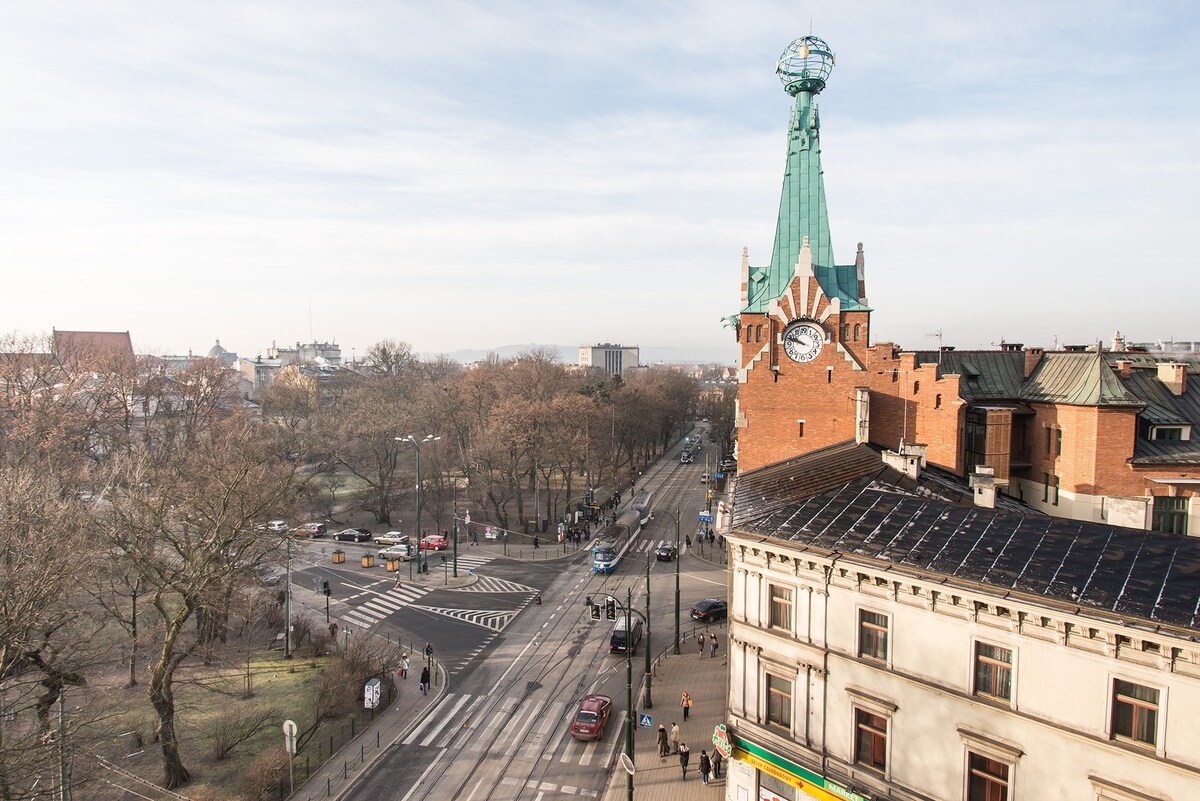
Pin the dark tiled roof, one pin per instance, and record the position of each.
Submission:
(986, 374)
(1126, 571)
(1165, 408)
(1076, 379)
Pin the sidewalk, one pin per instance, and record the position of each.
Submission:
(660, 778)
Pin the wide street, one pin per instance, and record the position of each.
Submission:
(518, 669)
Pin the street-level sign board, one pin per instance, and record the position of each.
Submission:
(705, 517)
(718, 475)
(371, 694)
(289, 736)
(645, 721)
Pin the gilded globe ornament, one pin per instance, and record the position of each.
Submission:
(805, 65)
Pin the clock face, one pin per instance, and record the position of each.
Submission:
(802, 342)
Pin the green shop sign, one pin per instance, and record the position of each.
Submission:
(786, 766)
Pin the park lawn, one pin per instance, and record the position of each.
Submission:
(203, 695)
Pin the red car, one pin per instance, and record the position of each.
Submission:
(434, 542)
(591, 717)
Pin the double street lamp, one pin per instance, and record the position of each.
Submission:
(675, 517)
(628, 609)
(417, 443)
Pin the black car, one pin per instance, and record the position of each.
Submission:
(709, 610)
(665, 553)
(353, 535)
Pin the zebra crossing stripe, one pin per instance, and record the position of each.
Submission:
(489, 584)
(488, 619)
(446, 719)
(434, 715)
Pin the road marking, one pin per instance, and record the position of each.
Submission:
(421, 779)
(428, 719)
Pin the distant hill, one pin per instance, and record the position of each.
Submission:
(569, 354)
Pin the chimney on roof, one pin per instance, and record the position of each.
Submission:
(1124, 368)
(909, 460)
(983, 486)
(862, 415)
(1174, 376)
(1033, 357)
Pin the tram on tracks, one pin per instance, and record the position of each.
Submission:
(615, 541)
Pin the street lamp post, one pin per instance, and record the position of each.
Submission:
(629, 691)
(675, 517)
(417, 443)
(287, 599)
(649, 677)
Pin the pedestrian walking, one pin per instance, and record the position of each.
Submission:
(712, 646)
(686, 702)
(404, 666)
(716, 764)
(684, 754)
(425, 680)
(664, 747)
(705, 767)
(674, 737)
(700, 642)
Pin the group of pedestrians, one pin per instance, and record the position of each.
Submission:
(711, 641)
(402, 670)
(669, 743)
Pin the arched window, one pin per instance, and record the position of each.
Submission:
(894, 376)
(857, 331)
(846, 332)
(916, 387)
(937, 401)
(758, 333)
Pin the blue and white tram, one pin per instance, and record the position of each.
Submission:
(644, 504)
(615, 541)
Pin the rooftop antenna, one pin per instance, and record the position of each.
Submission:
(938, 336)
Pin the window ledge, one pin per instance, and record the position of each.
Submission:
(989, 746)
(881, 706)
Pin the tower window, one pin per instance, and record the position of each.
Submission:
(916, 387)
(857, 331)
(937, 401)
(846, 332)
(758, 333)
(800, 427)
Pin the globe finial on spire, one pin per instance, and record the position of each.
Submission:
(805, 65)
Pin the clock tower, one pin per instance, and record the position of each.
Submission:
(804, 323)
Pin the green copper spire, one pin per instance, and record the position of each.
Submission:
(803, 68)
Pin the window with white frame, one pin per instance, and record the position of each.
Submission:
(993, 671)
(779, 701)
(1134, 713)
(781, 607)
(872, 635)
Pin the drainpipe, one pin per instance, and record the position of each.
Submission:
(825, 667)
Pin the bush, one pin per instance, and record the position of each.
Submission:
(266, 772)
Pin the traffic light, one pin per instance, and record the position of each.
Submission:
(595, 611)
(325, 588)
(610, 608)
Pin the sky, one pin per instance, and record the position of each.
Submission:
(472, 175)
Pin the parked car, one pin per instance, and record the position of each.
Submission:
(273, 525)
(353, 535)
(392, 538)
(710, 610)
(313, 530)
(435, 542)
(665, 553)
(591, 717)
(402, 552)
(704, 478)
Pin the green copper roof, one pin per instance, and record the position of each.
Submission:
(802, 211)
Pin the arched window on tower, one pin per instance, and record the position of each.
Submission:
(758, 333)
(846, 332)
(937, 401)
(895, 374)
(857, 331)
(916, 387)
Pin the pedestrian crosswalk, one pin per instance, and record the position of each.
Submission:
(489, 584)
(642, 546)
(380, 604)
(492, 619)
(541, 728)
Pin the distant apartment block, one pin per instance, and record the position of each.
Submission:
(614, 359)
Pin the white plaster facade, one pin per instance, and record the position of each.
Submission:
(1054, 734)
